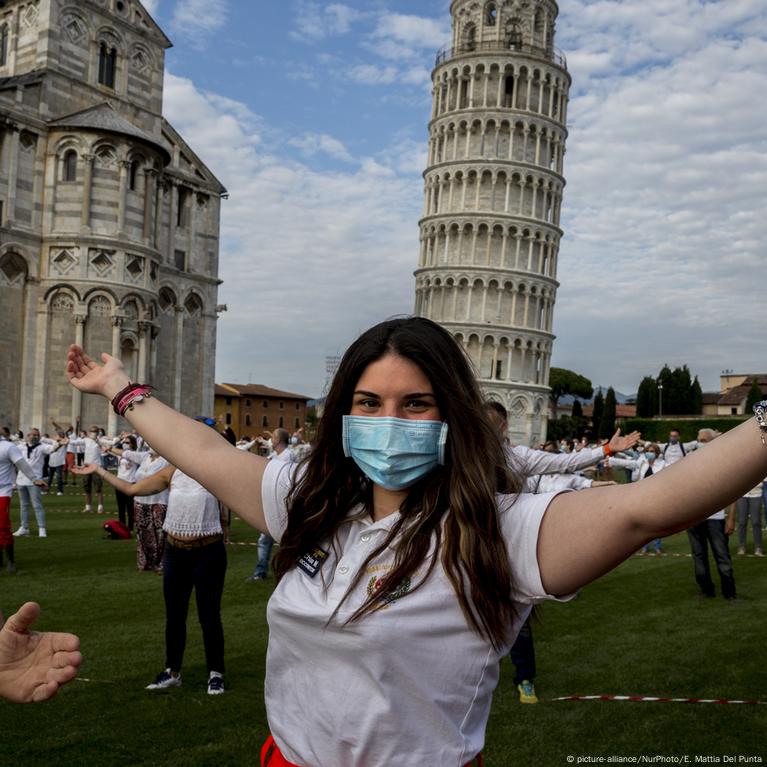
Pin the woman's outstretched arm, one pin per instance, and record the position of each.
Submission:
(584, 535)
(231, 475)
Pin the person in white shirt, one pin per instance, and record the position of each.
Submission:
(194, 558)
(281, 452)
(91, 447)
(57, 463)
(407, 557)
(34, 450)
(11, 461)
(674, 450)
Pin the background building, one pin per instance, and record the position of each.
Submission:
(733, 394)
(490, 231)
(109, 223)
(251, 409)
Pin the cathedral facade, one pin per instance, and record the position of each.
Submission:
(493, 193)
(109, 222)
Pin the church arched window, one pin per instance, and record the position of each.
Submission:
(3, 45)
(514, 35)
(133, 175)
(69, 169)
(107, 65)
(469, 37)
(491, 14)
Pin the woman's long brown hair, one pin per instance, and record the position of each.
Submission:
(454, 504)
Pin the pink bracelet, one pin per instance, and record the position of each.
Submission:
(135, 395)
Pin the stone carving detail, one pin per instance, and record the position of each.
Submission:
(134, 267)
(29, 16)
(74, 28)
(100, 307)
(518, 407)
(62, 303)
(139, 61)
(102, 261)
(63, 261)
(106, 157)
(13, 268)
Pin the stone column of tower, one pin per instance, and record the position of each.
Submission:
(490, 228)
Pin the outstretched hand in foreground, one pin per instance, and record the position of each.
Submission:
(34, 665)
(618, 444)
(91, 377)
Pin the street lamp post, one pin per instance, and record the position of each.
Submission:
(660, 399)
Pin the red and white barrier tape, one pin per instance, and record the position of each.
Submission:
(653, 699)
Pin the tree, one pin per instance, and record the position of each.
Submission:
(647, 398)
(664, 389)
(607, 421)
(563, 382)
(577, 409)
(754, 395)
(696, 398)
(596, 415)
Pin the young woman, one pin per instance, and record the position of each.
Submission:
(407, 563)
(194, 558)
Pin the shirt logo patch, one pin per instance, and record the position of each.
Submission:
(375, 584)
(312, 561)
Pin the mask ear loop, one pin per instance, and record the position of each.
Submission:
(442, 444)
(345, 436)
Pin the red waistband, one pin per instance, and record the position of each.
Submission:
(272, 757)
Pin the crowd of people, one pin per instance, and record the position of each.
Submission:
(413, 538)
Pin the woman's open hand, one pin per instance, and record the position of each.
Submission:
(91, 377)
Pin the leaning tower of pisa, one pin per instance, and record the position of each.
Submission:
(490, 229)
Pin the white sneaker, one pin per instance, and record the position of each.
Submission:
(100, 510)
(164, 680)
(59, 493)
(215, 684)
(41, 533)
(21, 531)
(87, 509)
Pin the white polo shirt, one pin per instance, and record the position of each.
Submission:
(410, 684)
(10, 455)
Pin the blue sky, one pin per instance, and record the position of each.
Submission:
(314, 115)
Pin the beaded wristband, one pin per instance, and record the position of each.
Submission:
(760, 413)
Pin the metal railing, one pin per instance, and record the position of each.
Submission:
(552, 54)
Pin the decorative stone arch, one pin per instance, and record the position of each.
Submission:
(109, 35)
(100, 302)
(167, 299)
(140, 59)
(75, 25)
(14, 268)
(137, 301)
(62, 299)
(194, 305)
(106, 153)
(519, 407)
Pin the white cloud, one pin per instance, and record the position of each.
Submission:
(368, 74)
(196, 20)
(415, 31)
(311, 144)
(315, 21)
(151, 6)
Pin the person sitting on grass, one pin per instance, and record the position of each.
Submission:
(194, 558)
(408, 558)
(34, 665)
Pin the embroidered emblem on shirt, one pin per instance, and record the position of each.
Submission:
(312, 561)
(374, 585)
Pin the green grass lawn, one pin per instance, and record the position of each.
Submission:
(641, 630)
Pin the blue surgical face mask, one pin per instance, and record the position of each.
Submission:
(650, 456)
(394, 452)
